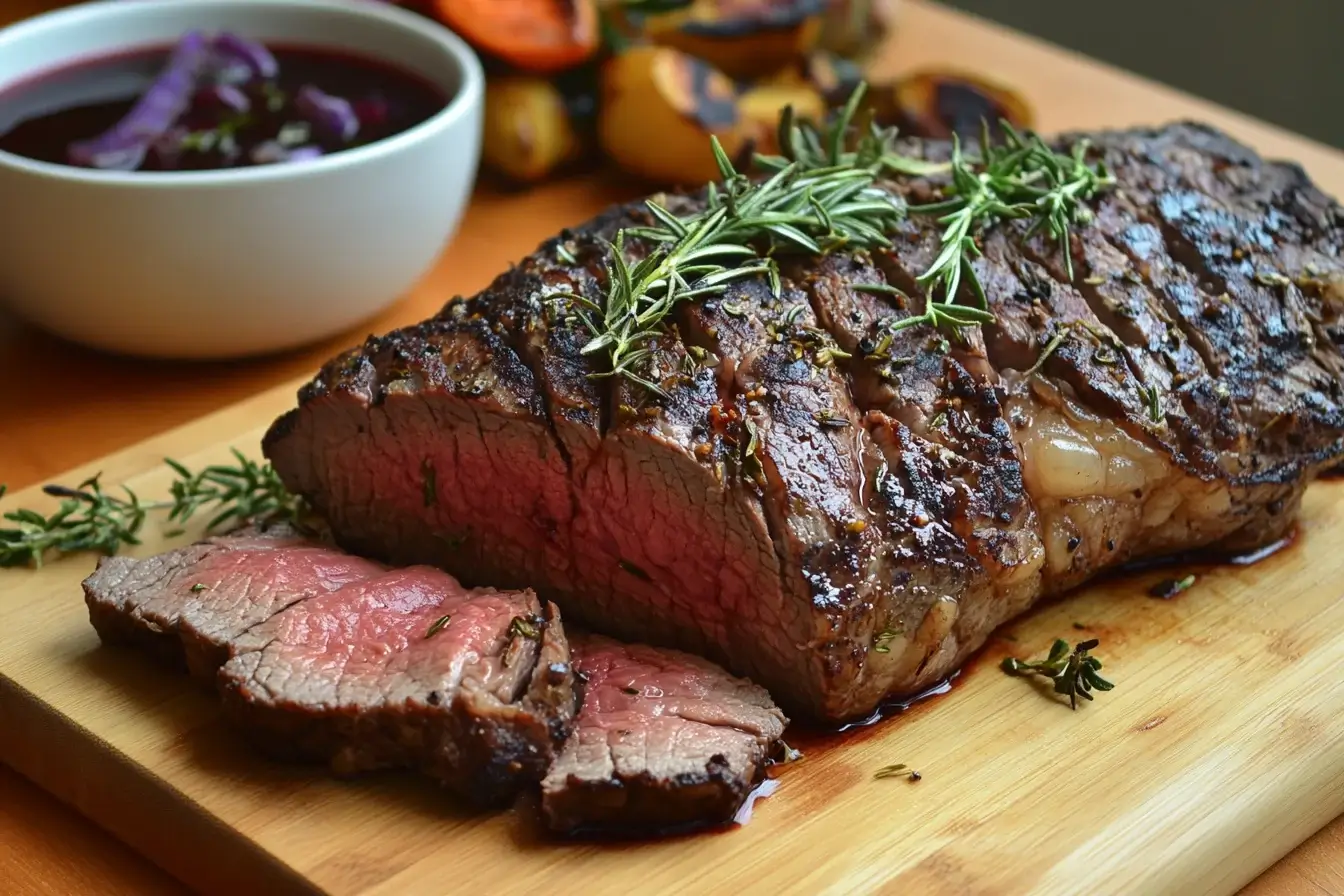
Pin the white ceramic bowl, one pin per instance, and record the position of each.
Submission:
(225, 263)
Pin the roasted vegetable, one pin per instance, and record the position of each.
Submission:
(659, 106)
(833, 76)
(853, 28)
(939, 103)
(760, 106)
(532, 127)
(743, 38)
(534, 35)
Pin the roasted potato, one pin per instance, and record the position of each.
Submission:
(853, 28)
(833, 76)
(532, 127)
(761, 105)
(939, 103)
(659, 108)
(742, 38)
(540, 36)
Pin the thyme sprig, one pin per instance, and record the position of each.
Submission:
(91, 519)
(1074, 672)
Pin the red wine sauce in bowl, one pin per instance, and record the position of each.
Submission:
(292, 104)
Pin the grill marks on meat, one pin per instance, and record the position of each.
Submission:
(664, 739)
(903, 501)
(800, 448)
(354, 678)
(321, 655)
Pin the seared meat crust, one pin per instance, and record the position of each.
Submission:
(841, 512)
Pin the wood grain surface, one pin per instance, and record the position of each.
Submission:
(65, 405)
(1220, 750)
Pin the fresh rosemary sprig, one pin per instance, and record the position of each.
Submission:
(245, 492)
(90, 519)
(811, 203)
(823, 193)
(1074, 672)
(1021, 178)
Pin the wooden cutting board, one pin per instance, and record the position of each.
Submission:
(1221, 748)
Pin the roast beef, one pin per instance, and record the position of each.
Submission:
(904, 492)
(410, 669)
(328, 657)
(189, 604)
(663, 740)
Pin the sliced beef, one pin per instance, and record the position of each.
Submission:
(189, 604)
(409, 669)
(827, 500)
(324, 656)
(663, 740)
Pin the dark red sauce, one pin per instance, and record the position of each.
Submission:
(43, 116)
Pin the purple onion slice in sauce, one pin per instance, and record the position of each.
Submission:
(123, 146)
(224, 96)
(239, 49)
(328, 113)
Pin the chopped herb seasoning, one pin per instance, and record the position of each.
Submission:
(751, 460)
(830, 420)
(198, 588)
(899, 770)
(1153, 399)
(525, 627)
(439, 625)
(1169, 588)
(633, 692)
(882, 643)
(429, 482)
(1054, 343)
(635, 571)
(562, 252)
(1271, 278)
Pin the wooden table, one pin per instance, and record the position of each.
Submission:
(65, 405)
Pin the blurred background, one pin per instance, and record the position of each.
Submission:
(612, 72)
(1280, 61)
